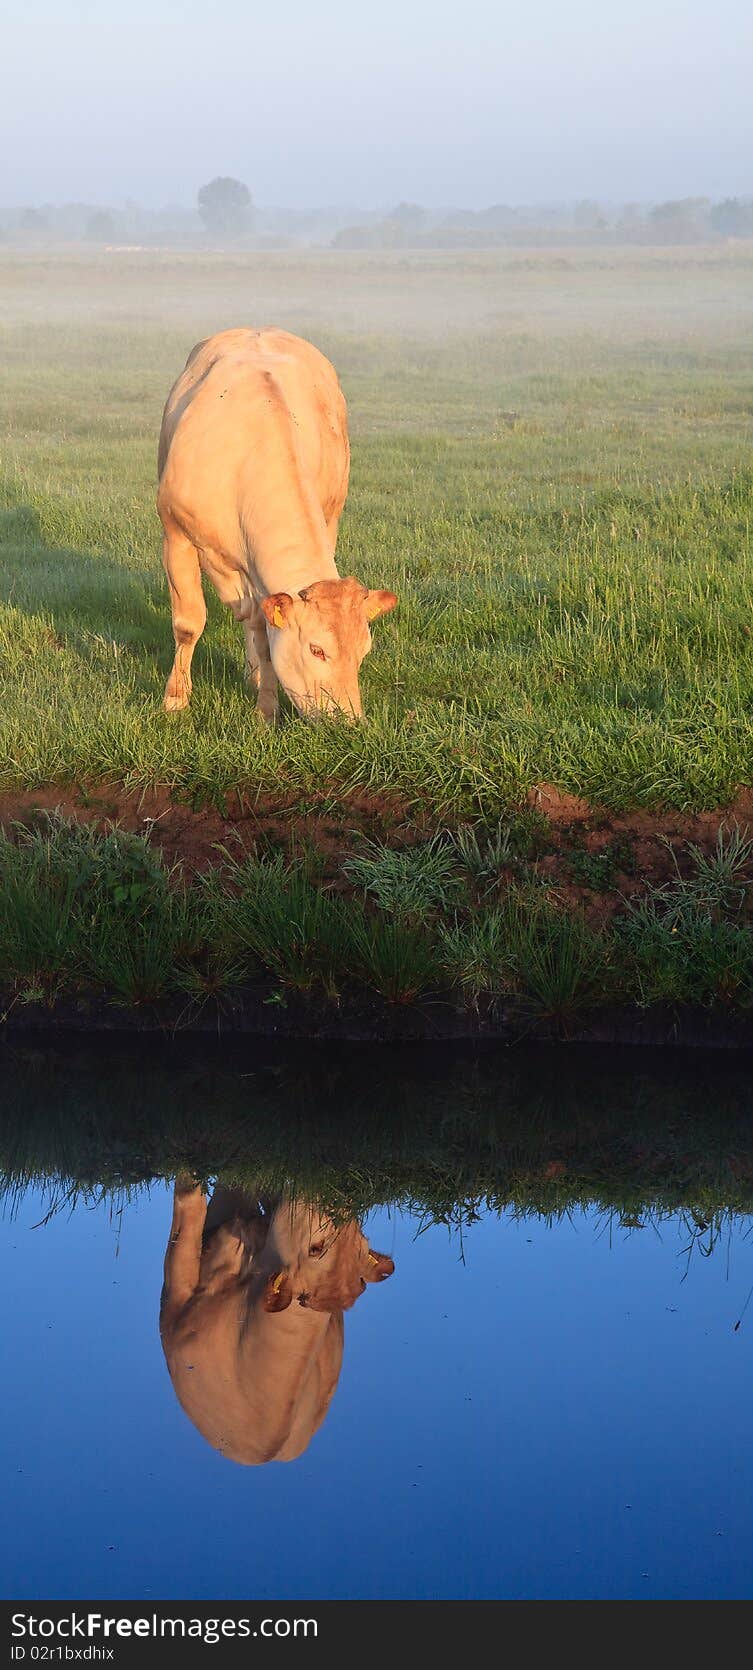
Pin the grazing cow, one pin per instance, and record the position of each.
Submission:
(253, 466)
(251, 1316)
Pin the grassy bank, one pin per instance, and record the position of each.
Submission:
(476, 920)
(551, 468)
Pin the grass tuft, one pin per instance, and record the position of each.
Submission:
(279, 917)
(407, 882)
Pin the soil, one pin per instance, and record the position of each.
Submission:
(631, 849)
(190, 836)
(642, 848)
(567, 812)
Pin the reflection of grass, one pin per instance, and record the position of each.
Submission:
(574, 590)
(357, 1128)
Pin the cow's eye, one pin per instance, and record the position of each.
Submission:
(316, 649)
(316, 1250)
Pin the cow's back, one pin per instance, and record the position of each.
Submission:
(253, 395)
(243, 1379)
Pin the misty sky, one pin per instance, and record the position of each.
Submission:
(322, 102)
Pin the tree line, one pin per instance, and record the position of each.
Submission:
(225, 212)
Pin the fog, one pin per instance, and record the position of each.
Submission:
(331, 102)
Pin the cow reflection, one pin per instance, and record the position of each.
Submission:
(251, 1316)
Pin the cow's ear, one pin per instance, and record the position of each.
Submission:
(379, 603)
(277, 607)
(378, 1266)
(278, 1292)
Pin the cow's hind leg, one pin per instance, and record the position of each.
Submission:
(259, 670)
(181, 562)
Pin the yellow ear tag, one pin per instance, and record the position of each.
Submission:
(277, 1283)
(278, 616)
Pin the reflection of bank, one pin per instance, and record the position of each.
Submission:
(251, 1316)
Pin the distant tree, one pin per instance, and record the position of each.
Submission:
(100, 227)
(357, 237)
(680, 208)
(499, 216)
(631, 225)
(680, 220)
(32, 220)
(587, 216)
(461, 218)
(733, 218)
(410, 217)
(225, 207)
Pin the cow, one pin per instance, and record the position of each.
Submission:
(253, 469)
(251, 1315)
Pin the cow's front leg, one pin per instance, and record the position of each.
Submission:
(259, 670)
(183, 1255)
(181, 560)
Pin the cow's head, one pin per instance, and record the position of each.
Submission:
(330, 1271)
(318, 639)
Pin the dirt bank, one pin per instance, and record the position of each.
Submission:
(596, 857)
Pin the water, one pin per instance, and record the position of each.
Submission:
(537, 1403)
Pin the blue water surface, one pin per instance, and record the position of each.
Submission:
(534, 1410)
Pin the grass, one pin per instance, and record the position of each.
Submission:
(691, 939)
(546, 958)
(274, 916)
(408, 882)
(87, 912)
(73, 919)
(551, 468)
(78, 907)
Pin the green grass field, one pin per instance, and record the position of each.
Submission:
(552, 466)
